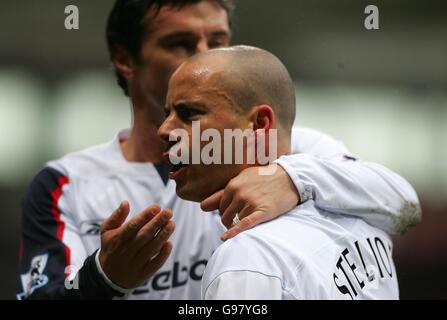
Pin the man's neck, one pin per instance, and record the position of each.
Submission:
(144, 144)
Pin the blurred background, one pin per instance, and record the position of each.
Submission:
(382, 92)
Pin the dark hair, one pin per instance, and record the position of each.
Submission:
(126, 24)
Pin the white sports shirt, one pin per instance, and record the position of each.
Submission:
(305, 254)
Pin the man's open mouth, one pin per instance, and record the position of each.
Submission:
(177, 169)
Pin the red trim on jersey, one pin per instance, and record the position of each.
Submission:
(55, 195)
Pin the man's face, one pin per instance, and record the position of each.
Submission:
(197, 95)
(175, 35)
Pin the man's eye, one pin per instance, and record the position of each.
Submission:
(184, 44)
(218, 42)
(186, 114)
(215, 44)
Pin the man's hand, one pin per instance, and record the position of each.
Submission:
(133, 252)
(256, 198)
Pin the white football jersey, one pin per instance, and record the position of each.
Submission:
(100, 178)
(305, 254)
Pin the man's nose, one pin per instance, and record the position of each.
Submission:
(164, 130)
(202, 46)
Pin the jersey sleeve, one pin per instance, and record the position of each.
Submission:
(53, 260)
(324, 171)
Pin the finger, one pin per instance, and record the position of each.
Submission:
(230, 212)
(117, 218)
(153, 265)
(212, 202)
(226, 200)
(149, 231)
(245, 224)
(164, 234)
(249, 209)
(131, 228)
(154, 246)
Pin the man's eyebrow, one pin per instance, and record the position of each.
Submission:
(221, 33)
(177, 35)
(188, 104)
(191, 35)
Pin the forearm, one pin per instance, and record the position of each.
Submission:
(370, 191)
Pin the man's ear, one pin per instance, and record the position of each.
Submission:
(123, 62)
(263, 117)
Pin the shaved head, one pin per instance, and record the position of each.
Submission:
(238, 90)
(250, 77)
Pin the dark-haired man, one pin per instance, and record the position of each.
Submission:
(144, 258)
